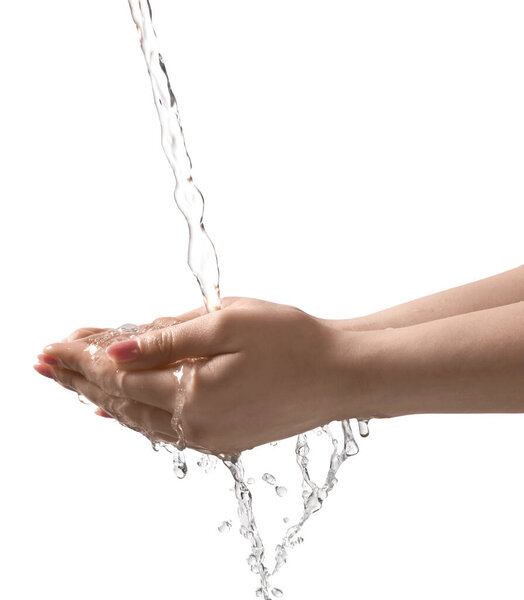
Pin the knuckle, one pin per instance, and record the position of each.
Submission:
(120, 384)
(74, 335)
(225, 324)
(162, 341)
(163, 321)
(107, 378)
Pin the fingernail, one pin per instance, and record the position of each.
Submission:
(44, 370)
(102, 413)
(124, 351)
(48, 360)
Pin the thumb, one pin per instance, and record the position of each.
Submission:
(204, 336)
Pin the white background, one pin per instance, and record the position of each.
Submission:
(353, 155)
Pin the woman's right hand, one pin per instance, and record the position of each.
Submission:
(254, 372)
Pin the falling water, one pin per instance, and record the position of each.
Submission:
(202, 258)
(203, 262)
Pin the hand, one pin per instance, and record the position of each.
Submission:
(253, 372)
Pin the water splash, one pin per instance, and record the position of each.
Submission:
(207, 462)
(203, 262)
(314, 494)
(248, 526)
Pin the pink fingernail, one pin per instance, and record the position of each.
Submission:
(124, 351)
(44, 370)
(48, 360)
(102, 413)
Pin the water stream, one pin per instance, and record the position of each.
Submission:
(203, 262)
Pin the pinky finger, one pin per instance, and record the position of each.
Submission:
(152, 422)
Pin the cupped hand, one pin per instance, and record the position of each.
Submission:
(222, 382)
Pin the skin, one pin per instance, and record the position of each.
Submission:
(255, 371)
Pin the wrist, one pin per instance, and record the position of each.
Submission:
(360, 374)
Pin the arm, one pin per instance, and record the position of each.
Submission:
(272, 371)
(505, 288)
(471, 363)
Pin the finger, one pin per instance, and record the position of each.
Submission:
(44, 370)
(159, 388)
(78, 356)
(196, 312)
(204, 336)
(83, 332)
(48, 359)
(150, 421)
(102, 413)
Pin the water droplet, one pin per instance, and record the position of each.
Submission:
(179, 464)
(281, 491)
(82, 399)
(302, 446)
(179, 372)
(128, 328)
(277, 593)
(207, 462)
(244, 532)
(363, 427)
(268, 478)
(250, 481)
(286, 519)
(225, 526)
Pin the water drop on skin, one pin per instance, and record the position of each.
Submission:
(277, 593)
(281, 491)
(128, 328)
(250, 481)
(82, 400)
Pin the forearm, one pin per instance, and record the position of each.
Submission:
(470, 363)
(499, 290)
